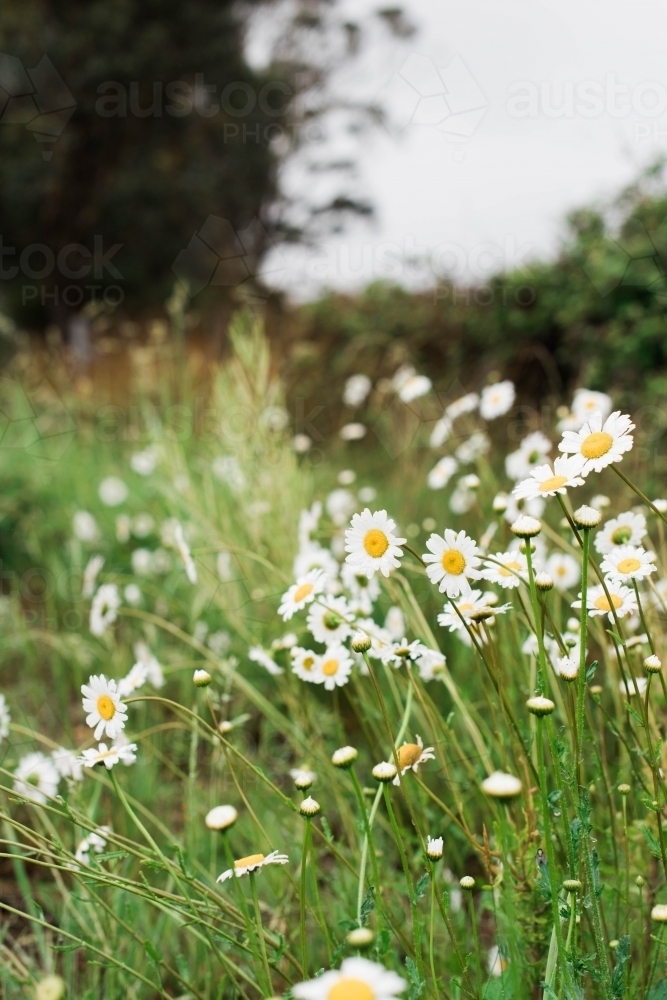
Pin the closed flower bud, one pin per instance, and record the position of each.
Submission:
(360, 642)
(481, 614)
(467, 882)
(624, 789)
(502, 786)
(540, 705)
(572, 885)
(639, 882)
(586, 517)
(526, 526)
(652, 664)
(201, 678)
(360, 937)
(434, 848)
(384, 772)
(221, 817)
(659, 913)
(344, 757)
(500, 502)
(544, 582)
(309, 807)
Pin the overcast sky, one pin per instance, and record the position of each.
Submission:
(502, 117)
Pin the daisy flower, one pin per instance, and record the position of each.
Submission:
(154, 673)
(516, 507)
(132, 681)
(567, 667)
(411, 387)
(600, 444)
(462, 405)
(441, 473)
(259, 655)
(106, 712)
(363, 590)
(441, 432)
(113, 491)
(253, 863)
(399, 653)
(67, 764)
(5, 718)
(564, 570)
(95, 841)
(357, 979)
(586, 402)
(410, 756)
(356, 389)
(633, 686)
(371, 543)
(509, 573)
(395, 622)
(119, 752)
(304, 663)
(301, 593)
(496, 400)
(334, 667)
(95, 564)
(628, 562)
(475, 601)
(477, 444)
(104, 608)
(430, 664)
(327, 620)
(381, 638)
(85, 527)
(626, 529)
(453, 562)
(36, 778)
(532, 450)
(547, 482)
(623, 601)
(313, 556)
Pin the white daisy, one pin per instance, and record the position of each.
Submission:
(530, 646)
(371, 543)
(473, 603)
(547, 482)
(5, 718)
(412, 387)
(363, 590)
(564, 570)
(85, 527)
(304, 663)
(623, 601)
(94, 565)
(462, 499)
(477, 444)
(340, 505)
(104, 608)
(145, 462)
(153, 669)
(394, 622)
(496, 400)
(462, 405)
(253, 863)
(441, 432)
(357, 979)
(431, 664)
(109, 756)
(452, 561)
(567, 667)
(328, 620)
(626, 529)
(633, 686)
(113, 491)
(259, 655)
(106, 712)
(629, 562)
(132, 681)
(441, 473)
(586, 402)
(533, 449)
(36, 778)
(356, 390)
(410, 756)
(333, 667)
(511, 571)
(301, 593)
(95, 841)
(600, 444)
(313, 556)
(67, 764)
(380, 637)
(401, 653)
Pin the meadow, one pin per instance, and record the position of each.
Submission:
(369, 717)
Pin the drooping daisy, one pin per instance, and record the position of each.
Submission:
(380, 637)
(600, 444)
(371, 543)
(104, 608)
(94, 565)
(304, 663)
(507, 570)
(410, 756)
(132, 681)
(329, 620)
(586, 402)
(564, 570)
(547, 482)
(253, 863)
(623, 601)
(441, 473)
(259, 655)
(363, 590)
(36, 778)
(109, 756)
(301, 593)
(67, 763)
(452, 561)
(333, 667)
(473, 603)
(431, 664)
(106, 712)
(626, 529)
(462, 405)
(5, 718)
(533, 449)
(496, 400)
(629, 562)
(402, 653)
(357, 979)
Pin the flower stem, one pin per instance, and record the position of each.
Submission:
(367, 847)
(408, 880)
(302, 900)
(260, 933)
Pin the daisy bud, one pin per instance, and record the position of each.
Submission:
(660, 505)
(500, 502)
(526, 526)
(309, 807)
(467, 882)
(540, 706)
(434, 848)
(624, 789)
(360, 937)
(344, 758)
(221, 817)
(600, 501)
(303, 782)
(201, 678)
(50, 988)
(544, 582)
(332, 620)
(595, 689)
(525, 546)
(652, 664)
(572, 885)
(360, 642)
(639, 882)
(502, 786)
(614, 944)
(586, 517)
(573, 624)
(659, 913)
(384, 771)
(481, 614)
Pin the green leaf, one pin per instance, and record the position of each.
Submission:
(590, 671)
(327, 829)
(653, 845)
(416, 982)
(618, 975)
(421, 886)
(367, 906)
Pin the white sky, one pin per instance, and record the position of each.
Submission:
(492, 185)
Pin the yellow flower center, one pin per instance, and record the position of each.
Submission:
(602, 604)
(330, 667)
(376, 543)
(409, 754)
(629, 565)
(596, 444)
(621, 535)
(252, 859)
(105, 707)
(552, 483)
(351, 989)
(453, 562)
(506, 570)
(308, 662)
(305, 590)
(464, 607)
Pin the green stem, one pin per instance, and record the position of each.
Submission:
(367, 847)
(302, 900)
(408, 880)
(260, 933)
(431, 954)
(475, 935)
(581, 677)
